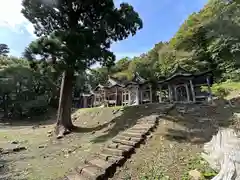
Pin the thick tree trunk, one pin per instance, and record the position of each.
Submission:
(64, 123)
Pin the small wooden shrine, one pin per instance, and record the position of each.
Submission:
(185, 87)
(116, 92)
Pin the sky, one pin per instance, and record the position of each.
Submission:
(161, 20)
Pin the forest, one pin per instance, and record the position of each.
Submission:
(208, 39)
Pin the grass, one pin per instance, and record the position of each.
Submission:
(165, 155)
(199, 164)
(226, 90)
(47, 158)
(176, 144)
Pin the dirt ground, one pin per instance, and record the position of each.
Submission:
(46, 158)
(175, 146)
(175, 143)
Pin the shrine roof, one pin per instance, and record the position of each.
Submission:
(179, 72)
(113, 82)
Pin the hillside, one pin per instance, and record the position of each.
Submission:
(47, 158)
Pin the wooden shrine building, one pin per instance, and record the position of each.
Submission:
(185, 87)
(116, 92)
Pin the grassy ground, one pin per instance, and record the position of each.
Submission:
(175, 146)
(46, 158)
(172, 151)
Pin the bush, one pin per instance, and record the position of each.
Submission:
(223, 89)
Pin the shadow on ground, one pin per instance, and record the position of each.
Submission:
(198, 123)
(128, 118)
(47, 118)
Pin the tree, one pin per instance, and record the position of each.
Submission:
(4, 49)
(75, 34)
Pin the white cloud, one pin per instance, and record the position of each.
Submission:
(12, 18)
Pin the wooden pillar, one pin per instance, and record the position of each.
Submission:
(193, 91)
(129, 97)
(160, 94)
(209, 90)
(187, 90)
(84, 101)
(116, 96)
(150, 91)
(122, 97)
(137, 95)
(169, 93)
(104, 97)
(141, 96)
(175, 93)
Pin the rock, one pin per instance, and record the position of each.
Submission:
(19, 148)
(93, 132)
(49, 132)
(195, 174)
(14, 142)
(60, 136)
(237, 115)
(41, 146)
(49, 135)
(1, 166)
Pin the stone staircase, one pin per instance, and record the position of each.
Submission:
(104, 164)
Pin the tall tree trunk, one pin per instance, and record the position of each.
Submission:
(64, 123)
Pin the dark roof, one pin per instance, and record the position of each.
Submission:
(112, 81)
(180, 72)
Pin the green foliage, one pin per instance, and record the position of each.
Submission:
(199, 164)
(78, 34)
(4, 49)
(223, 89)
(23, 90)
(208, 39)
(154, 173)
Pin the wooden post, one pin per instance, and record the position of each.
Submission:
(116, 96)
(122, 97)
(175, 93)
(137, 95)
(150, 87)
(104, 97)
(141, 96)
(169, 93)
(209, 90)
(84, 101)
(129, 96)
(193, 91)
(188, 96)
(160, 94)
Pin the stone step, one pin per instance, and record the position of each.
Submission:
(127, 138)
(123, 137)
(142, 132)
(100, 163)
(124, 142)
(144, 126)
(111, 158)
(112, 151)
(91, 172)
(125, 148)
(74, 176)
(132, 134)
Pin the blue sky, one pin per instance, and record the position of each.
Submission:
(161, 19)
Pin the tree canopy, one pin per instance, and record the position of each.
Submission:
(4, 49)
(75, 34)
